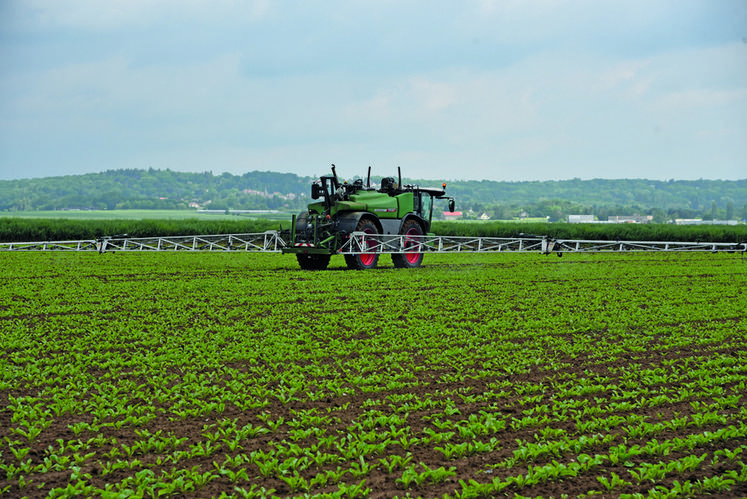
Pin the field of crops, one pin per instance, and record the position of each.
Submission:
(477, 375)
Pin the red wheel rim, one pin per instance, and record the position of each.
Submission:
(411, 256)
(368, 259)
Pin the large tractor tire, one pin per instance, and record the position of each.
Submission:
(312, 262)
(411, 259)
(364, 261)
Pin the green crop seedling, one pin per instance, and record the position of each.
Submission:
(483, 375)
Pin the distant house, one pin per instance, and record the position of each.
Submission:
(452, 215)
(580, 219)
(631, 219)
(700, 221)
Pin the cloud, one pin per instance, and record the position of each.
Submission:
(690, 100)
(433, 96)
(536, 89)
(93, 15)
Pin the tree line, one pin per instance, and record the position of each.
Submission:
(257, 190)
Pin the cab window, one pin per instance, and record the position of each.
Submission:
(426, 206)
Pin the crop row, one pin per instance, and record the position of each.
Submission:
(474, 376)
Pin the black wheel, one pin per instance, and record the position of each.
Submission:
(410, 259)
(312, 262)
(363, 261)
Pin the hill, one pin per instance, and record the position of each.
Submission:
(167, 189)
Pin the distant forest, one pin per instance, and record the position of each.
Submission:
(167, 189)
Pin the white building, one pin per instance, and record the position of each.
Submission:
(580, 219)
(632, 219)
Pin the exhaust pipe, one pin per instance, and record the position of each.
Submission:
(334, 174)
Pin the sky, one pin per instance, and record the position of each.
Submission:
(447, 89)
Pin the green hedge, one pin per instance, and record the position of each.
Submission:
(44, 229)
(605, 232)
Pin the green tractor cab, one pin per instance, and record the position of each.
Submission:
(341, 209)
